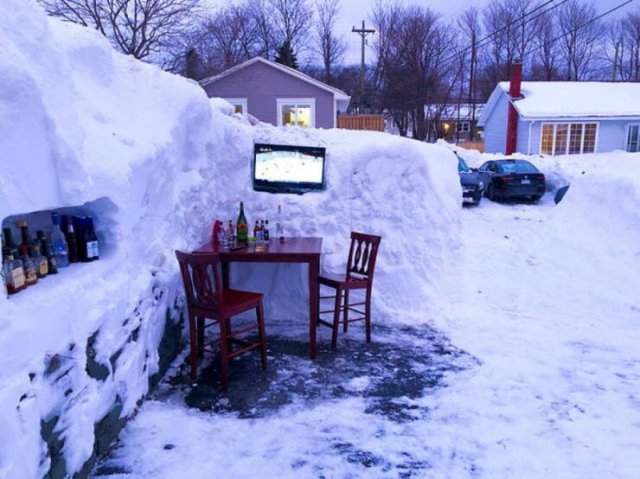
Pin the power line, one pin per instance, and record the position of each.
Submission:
(589, 22)
(519, 23)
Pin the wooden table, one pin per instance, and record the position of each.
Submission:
(291, 250)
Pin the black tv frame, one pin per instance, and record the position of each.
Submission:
(285, 186)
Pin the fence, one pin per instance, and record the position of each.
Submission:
(361, 122)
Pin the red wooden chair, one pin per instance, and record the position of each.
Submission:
(359, 276)
(207, 300)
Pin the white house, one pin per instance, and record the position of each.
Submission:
(558, 118)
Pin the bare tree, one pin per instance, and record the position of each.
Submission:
(547, 49)
(141, 28)
(262, 13)
(291, 20)
(580, 38)
(471, 29)
(330, 46)
(414, 73)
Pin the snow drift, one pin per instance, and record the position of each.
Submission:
(154, 161)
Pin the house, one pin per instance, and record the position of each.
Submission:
(454, 121)
(558, 118)
(277, 94)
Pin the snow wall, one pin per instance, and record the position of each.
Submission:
(154, 161)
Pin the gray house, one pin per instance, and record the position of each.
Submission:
(277, 94)
(559, 118)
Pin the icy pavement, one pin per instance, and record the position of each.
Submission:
(534, 371)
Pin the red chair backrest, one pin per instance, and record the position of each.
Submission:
(362, 255)
(201, 279)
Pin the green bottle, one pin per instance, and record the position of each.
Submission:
(242, 228)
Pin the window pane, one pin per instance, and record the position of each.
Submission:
(562, 135)
(238, 108)
(288, 115)
(590, 130)
(633, 142)
(303, 116)
(546, 146)
(575, 139)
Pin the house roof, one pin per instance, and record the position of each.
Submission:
(549, 100)
(337, 93)
(453, 112)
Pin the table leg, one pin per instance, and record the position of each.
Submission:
(314, 271)
(225, 275)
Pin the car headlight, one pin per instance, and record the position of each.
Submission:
(481, 185)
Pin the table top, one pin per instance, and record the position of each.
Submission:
(290, 248)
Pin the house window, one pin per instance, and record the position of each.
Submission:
(463, 127)
(239, 105)
(296, 112)
(633, 139)
(568, 138)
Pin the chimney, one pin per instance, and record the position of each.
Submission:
(515, 93)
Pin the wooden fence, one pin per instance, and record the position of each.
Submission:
(361, 122)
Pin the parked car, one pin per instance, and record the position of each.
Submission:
(472, 184)
(506, 179)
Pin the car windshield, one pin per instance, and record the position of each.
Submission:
(462, 166)
(517, 167)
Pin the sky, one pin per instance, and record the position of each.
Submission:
(354, 11)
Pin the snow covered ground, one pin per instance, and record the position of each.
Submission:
(547, 315)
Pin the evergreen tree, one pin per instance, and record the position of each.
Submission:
(286, 56)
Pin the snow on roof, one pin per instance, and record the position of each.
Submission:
(450, 112)
(577, 99)
(337, 93)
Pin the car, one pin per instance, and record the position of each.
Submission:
(512, 179)
(471, 182)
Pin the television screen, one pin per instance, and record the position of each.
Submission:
(288, 169)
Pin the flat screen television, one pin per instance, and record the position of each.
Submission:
(288, 169)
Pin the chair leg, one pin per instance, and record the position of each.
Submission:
(336, 320)
(367, 315)
(193, 354)
(224, 354)
(229, 335)
(200, 323)
(346, 311)
(263, 335)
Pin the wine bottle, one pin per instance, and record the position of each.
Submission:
(256, 232)
(59, 248)
(279, 225)
(25, 244)
(90, 247)
(266, 231)
(72, 242)
(242, 228)
(46, 252)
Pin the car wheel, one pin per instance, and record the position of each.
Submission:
(535, 199)
(478, 198)
(489, 193)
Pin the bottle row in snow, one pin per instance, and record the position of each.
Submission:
(229, 235)
(70, 239)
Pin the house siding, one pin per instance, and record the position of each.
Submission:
(495, 130)
(262, 85)
(612, 133)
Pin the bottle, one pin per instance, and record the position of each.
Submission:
(231, 233)
(256, 232)
(72, 242)
(30, 273)
(279, 225)
(266, 231)
(90, 240)
(12, 268)
(46, 252)
(39, 261)
(59, 248)
(242, 228)
(26, 242)
(12, 273)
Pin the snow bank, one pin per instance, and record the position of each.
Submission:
(154, 161)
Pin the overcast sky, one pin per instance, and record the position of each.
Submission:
(354, 11)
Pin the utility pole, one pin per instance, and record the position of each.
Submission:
(363, 32)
